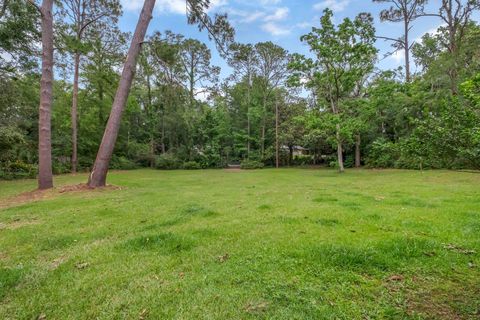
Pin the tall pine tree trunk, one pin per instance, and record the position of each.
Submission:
(45, 178)
(98, 176)
(74, 112)
(407, 50)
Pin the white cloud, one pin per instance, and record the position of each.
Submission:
(269, 2)
(334, 5)
(304, 25)
(132, 5)
(432, 32)
(168, 6)
(278, 14)
(398, 56)
(253, 16)
(275, 29)
(172, 6)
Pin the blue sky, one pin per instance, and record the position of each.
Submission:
(279, 21)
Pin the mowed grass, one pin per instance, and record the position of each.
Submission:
(268, 244)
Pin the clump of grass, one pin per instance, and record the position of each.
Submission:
(342, 257)
(166, 243)
(58, 242)
(325, 198)
(328, 222)
(264, 207)
(289, 220)
(197, 210)
(350, 205)
(9, 278)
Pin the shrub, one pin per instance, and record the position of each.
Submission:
(302, 160)
(60, 168)
(333, 164)
(382, 154)
(349, 161)
(251, 164)
(122, 163)
(168, 162)
(191, 165)
(17, 170)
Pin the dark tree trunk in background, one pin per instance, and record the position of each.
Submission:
(277, 156)
(357, 151)
(45, 178)
(262, 137)
(290, 155)
(341, 167)
(98, 176)
(74, 113)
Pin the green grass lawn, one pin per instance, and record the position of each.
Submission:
(268, 244)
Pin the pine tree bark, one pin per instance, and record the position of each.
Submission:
(74, 113)
(407, 49)
(45, 178)
(98, 176)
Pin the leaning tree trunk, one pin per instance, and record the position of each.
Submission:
(45, 178)
(98, 176)
(74, 113)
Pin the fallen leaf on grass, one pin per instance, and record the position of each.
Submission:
(57, 262)
(256, 307)
(82, 265)
(395, 278)
(430, 253)
(143, 315)
(223, 258)
(42, 317)
(181, 275)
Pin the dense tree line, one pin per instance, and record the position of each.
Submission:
(333, 103)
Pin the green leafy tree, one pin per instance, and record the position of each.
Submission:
(344, 57)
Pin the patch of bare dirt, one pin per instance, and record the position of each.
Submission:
(84, 187)
(26, 197)
(16, 224)
(437, 302)
(39, 195)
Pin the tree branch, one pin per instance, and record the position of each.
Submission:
(32, 2)
(390, 39)
(91, 21)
